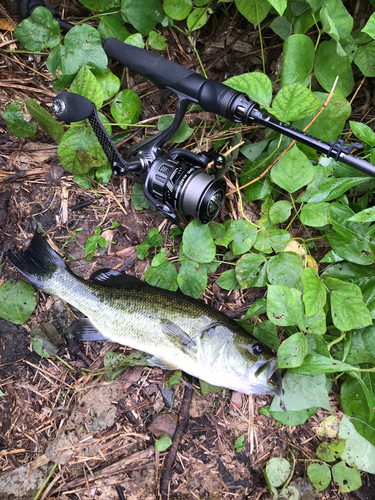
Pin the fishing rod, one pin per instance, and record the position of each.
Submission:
(178, 180)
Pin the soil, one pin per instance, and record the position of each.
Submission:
(98, 431)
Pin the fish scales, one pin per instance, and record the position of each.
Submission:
(175, 330)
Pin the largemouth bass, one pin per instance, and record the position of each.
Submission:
(178, 332)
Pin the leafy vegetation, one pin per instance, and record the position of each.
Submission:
(312, 247)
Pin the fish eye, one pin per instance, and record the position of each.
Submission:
(257, 349)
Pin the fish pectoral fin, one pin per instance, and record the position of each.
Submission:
(112, 277)
(162, 363)
(176, 334)
(83, 330)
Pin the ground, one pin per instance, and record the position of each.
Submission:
(101, 433)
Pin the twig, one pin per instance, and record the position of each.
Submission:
(171, 457)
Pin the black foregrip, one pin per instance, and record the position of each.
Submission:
(358, 163)
(70, 107)
(212, 96)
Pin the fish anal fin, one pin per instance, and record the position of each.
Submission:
(82, 329)
(176, 334)
(162, 363)
(112, 277)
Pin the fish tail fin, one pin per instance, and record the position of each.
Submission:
(38, 263)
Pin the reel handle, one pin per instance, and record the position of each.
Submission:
(69, 107)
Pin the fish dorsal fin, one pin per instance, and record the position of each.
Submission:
(82, 329)
(176, 334)
(112, 277)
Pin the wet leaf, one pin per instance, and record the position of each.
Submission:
(17, 301)
(198, 243)
(39, 31)
(347, 478)
(292, 351)
(284, 305)
(16, 123)
(319, 475)
(126, 108)
(277, 471)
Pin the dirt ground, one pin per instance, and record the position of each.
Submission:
(99, 433)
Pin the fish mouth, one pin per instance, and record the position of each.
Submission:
(274, 376)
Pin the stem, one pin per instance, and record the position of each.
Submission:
(198, 57)
(336, 341)
(45, 482)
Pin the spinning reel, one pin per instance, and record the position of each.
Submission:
(173, 181)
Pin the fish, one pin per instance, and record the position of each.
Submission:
(176, 331)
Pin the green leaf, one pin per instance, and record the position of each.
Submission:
(314, 292)
(367, 215)
(163, 443)
(156, 41)
(100, 5)
(303, 392)
(279, 5)
(356, 250)
(272, 240)
(336, 20)
(248, 268)
(44, 347)
(108, 82)
(330, 452)
(294, 102)
(79, 150)
(256, 85)
(175, 379)
(239, 444)
(17, 301)
(329, 65)
(315, 324)
(136, 40)
(87, 85)
(182, 133)
(198, 243)
(259, 307)
(255, 11)
(370, 26)
(177, 9)
(315, 214)
(222, 234)
(228, 280)
(209, 388)
(315, 363)
(138, 197)
(285, 269)
(358, 451)
(334, 188)
(154, 239)
(103, 174)
(365, 59)
(163, 276)
(16, 123)
(191, 279)
(292, 351)
(282, 27)
(291, 418)
(347, 307)
(126, 108)
(144, 15)
(197, 18)
(111, 25)
(348, 479)
(280, 211)
(45, 121)
(277, 471)
(243, 237)
(39, 31)
(319, 475)
(329, 124)
(261, 189)
(266, 332)
(284, 305)
(363, 132)
(82, 46)
(368, 292)
(355, 404)
(292, 171)
(298, 60)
